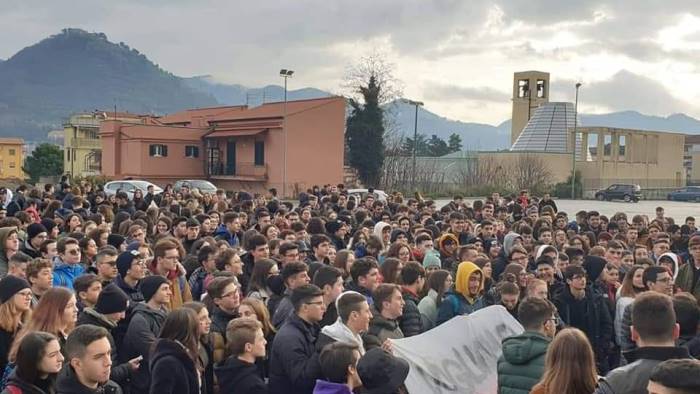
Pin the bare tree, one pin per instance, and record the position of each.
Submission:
(374, 64)
(532, 173)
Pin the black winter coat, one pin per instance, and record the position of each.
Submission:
(294, 365)
(240, 377)
(172, 370)
(22, 386)
(68, 383)
(411, 321)
(142, 333)
(598, 323)
(121, 373)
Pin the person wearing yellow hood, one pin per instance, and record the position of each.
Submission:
(466, 296)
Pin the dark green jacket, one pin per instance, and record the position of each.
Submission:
(684, 279)
(522, 363)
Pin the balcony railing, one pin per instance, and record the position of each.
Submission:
(92, 143)
(240, 170)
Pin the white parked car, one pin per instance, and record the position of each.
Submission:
(129, 186)
(362, 193)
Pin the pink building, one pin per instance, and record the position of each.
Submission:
(234, 147)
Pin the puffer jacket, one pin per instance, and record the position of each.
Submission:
(383, 328)
(521, 365)
(411, 321)
(64, 274)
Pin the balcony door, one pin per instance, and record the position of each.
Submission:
(231, 157)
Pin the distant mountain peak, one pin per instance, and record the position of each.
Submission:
(76, 71)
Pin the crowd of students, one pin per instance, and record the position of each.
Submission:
(189, 292)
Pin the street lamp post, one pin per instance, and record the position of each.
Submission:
(286, 74)
(573, 149)
(415, 139)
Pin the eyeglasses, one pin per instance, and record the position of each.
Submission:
(555, 320)
(229, 294)
(27, 294)
(319, 303)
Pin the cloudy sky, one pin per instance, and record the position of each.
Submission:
(458, 56)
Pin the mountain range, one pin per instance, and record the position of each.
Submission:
(76, 71)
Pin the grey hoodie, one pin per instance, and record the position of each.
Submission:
(508, 242)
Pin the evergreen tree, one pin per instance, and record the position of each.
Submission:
(437, 146)
(422, 147)
(46, 160)
(364, 133)
(454, 143)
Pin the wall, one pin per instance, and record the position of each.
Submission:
(316, 145)
(11, 165)
(652, 159)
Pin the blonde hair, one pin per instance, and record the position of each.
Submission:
(12, 319)
(569, 366)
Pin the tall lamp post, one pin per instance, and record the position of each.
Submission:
(573, 150)
(286, 74)
(415, 139)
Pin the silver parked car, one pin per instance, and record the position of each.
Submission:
(199, 184)
(128, 186)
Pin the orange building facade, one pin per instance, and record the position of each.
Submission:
(236, 148)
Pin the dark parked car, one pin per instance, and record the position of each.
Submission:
(690, 193)
(620, 192)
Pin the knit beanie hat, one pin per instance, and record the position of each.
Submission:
(432, 258)
(150, 285)
(125, 260)
(111, 300)
(35, 229)
(11, 285)
(116, 240)
(49, 224)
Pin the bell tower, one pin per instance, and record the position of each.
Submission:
(530, 90)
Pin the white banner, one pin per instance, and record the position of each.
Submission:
(459, 356)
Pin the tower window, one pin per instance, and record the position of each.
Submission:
(523, 88)
(541, 88)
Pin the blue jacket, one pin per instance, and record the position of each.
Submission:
(325, 387)
(294, 365)
(455, 304)
(64, 274)
(222, 233)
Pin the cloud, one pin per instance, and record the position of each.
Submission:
(624, 91)
(444, 92)
(624, 44)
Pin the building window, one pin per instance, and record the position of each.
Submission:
(259, 153)
(12, 164)
(622, 142)
(12, 152)
(523, 88)
(191, 151)
(158, 150)
(607, 144)
(541, 89)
